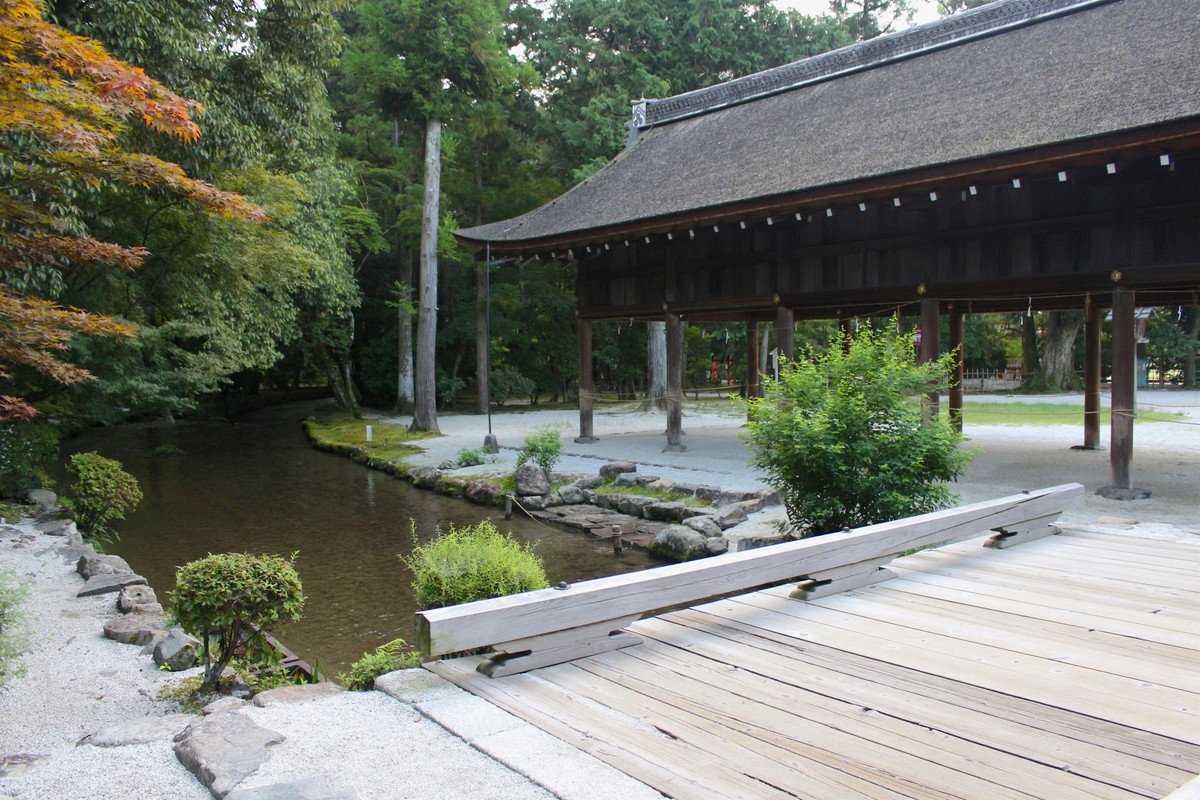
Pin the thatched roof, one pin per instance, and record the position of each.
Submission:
(1009, 77)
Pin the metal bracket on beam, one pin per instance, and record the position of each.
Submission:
(843, 579)
(522, 655)
(1023, 532)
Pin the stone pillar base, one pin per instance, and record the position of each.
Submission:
(586, 440)
(1121, 493)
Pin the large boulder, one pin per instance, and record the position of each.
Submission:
(614, 468)
(530, 480)
(486, 493)
(632, 504)
(222, 750)
(424, 477)
(177, 651)
(679, 543)
(571, 495)
(91, 565)
(667, 511)
(589, 481)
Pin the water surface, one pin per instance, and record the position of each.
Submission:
(255, 485)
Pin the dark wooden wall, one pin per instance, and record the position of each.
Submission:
(1048, 242)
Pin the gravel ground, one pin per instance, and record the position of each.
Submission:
(79, 683)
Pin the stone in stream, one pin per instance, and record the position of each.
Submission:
(679, 543)
(222, 750)
(571, 495)
(530, 480)
(703, 525)
(484, 492)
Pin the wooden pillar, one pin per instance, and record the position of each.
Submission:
(931, 326)
(1093, 327)
(785, 333)
(753, 376)
(587, 384)
(957, 346)
(1124, 377)
(674, 385)
(846, 325)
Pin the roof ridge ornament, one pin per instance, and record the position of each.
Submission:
(970, 24)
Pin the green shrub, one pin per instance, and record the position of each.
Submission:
(12, 632)
(542, 446)
(236, 598)
(472, 458)
(842, 436)
(506, 383)
(387, 658)
(24, 448)
(102, 491)
(472, 563)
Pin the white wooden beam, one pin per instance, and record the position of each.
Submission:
(520, 616)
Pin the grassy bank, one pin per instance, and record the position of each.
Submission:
(1047, 414)
(389, 448)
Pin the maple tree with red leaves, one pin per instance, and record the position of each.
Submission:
(64, 102)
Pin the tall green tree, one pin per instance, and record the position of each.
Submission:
(596, 56)
(866, 19)
(409, 68)
(224, 304)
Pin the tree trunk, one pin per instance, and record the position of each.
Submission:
(1058, 350)
(1030, 365)
(656, 366)
(404, 383)
(425, 411)
(1189, 361)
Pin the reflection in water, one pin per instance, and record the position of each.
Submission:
(256, 486)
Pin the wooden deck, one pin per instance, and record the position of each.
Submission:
(1067, 667)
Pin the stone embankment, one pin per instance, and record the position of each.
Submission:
(678, 529)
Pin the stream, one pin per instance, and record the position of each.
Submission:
(255, 485)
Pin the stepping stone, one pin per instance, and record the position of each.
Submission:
(310, 789)
(222, 750)
(140, 731)
(296, 694)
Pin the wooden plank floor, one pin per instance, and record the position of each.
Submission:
(1063, 668)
